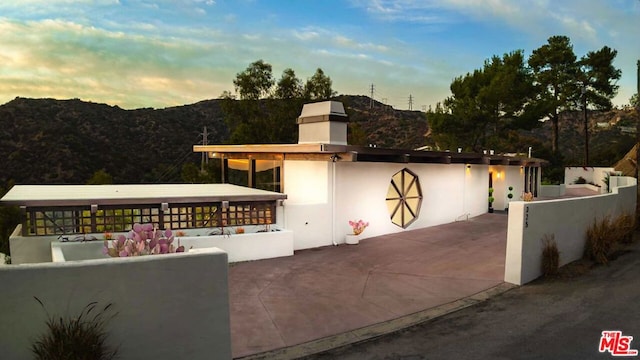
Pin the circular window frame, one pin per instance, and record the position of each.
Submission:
(404, 198)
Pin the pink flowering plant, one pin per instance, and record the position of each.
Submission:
(143, 239)
(358, 226)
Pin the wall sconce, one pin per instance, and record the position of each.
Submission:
(498, 175)
(225, 204)
(468, 166)
(94, 208)
(280, 202)
(164, 207)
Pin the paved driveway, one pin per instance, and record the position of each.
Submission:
(328, 293)
(549, 319)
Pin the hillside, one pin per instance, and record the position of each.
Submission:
(67, 141)
(611, 135)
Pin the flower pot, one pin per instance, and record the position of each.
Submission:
(352, 239)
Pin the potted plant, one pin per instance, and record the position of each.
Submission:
(357, 228)
(491, 200)
(509, 196)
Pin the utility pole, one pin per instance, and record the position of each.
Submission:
(638, 123)
(205, 157)
(586, 125)
(410, 102)
(371, 98)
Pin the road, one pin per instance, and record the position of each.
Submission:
(560, 318)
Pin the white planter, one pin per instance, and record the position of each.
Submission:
(352, 239)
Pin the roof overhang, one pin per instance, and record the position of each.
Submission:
(352, 153)
(86, 195)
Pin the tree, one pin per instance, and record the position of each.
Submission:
(255, 82)
(634, 101)
(100, 177)
(318, 87)
(555, 71)
(289, 86)
(599, 77)
(485, 105)
(560, 80)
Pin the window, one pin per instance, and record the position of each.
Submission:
(262, 174)
(267, 175)
(404, 198)
(80, 220)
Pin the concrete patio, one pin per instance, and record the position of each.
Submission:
(319, 298)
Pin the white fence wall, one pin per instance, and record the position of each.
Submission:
(566, 219)
(593, 175)
(173, 306)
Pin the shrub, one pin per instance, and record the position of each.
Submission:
(605, 234)
(599, 241)
(550, 256)
(580, 180)
(81, 337)
(622, 228)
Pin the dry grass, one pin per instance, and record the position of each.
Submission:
(550, 256)
(605, 235)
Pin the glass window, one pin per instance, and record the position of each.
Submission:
(267, 175)
(238, 171)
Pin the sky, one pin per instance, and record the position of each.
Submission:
(161, 53)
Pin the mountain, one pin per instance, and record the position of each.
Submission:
(48, 141)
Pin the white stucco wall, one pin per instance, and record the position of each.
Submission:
(239, 247)
(503, 177)
(450, 193)
(308, 208)
(566, 219)
(172, 306)
(591, 174)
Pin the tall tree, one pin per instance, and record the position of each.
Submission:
(255, 82)
(318, 87)
(560, 80)
(555, 71)
(289, 86)
(599, 77)
(485, 105)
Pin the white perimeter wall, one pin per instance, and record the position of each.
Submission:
(591, 174)
(566, 219)
(318, 212)
(173, 306)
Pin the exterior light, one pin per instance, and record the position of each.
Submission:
(225, 204)
(164, 207)
(468, 166)
(94, 208)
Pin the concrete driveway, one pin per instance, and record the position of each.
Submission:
(331, 296)
(546, 319)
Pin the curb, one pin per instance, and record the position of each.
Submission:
(379, 329)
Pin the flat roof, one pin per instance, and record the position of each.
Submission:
(353, 153)
(83, 195)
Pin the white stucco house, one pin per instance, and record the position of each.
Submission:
(329, 182)
(303, 195)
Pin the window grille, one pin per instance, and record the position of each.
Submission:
(80, 220)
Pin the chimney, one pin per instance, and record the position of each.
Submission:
(323, 123)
